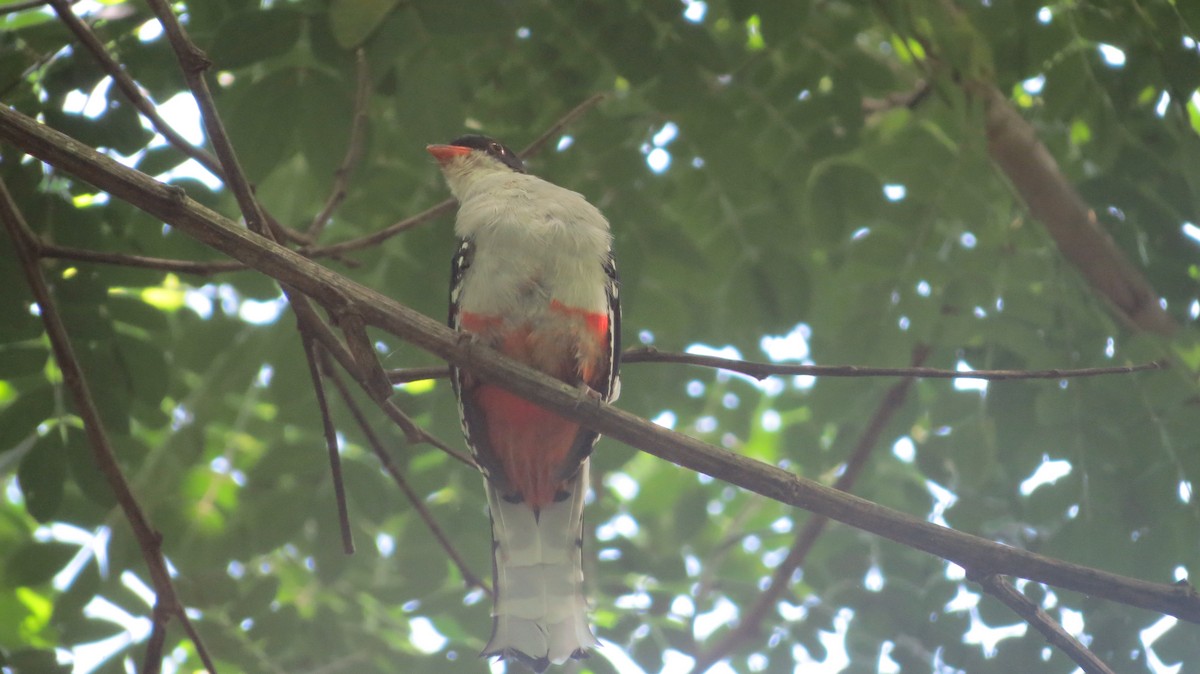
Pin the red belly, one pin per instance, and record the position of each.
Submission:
(532, 444)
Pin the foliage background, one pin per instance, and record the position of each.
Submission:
(801, 191)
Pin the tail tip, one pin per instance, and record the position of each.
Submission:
(538, 664)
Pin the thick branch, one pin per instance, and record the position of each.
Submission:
(1016, 149)
(975, 554)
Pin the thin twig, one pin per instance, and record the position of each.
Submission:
(761, 371)
(999, 587)
(410, 374)
(448, 205)
(416, 434)
(318, 329)
(331, 443)
(149, 540)
(354, 148)
(383, 234)
(390, 466)
(563, 122)
(752, 620)
(321, 331)
(198, 267)
(128, 87)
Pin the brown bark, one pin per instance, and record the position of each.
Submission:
(1015, 148)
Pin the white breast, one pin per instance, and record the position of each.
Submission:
(535, 242)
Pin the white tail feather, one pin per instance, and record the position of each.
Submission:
(540, 613)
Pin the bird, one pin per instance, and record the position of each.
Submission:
(534, 278)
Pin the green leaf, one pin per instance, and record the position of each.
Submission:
(41, 475)
(20, 419)
(36, 563)
(353, 21)
(22, 359)
(36, 662)
(264, 136)
(85, 472)
(251, 36)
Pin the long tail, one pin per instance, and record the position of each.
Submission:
(540, 613)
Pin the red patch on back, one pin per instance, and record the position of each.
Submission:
(597, 323)
(528, 441)
(477, 322)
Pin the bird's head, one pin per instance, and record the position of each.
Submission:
(467, 159)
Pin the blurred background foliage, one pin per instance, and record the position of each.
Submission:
(792, 181)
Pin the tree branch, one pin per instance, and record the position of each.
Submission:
(409, 493)
(141, 261)
(354, 148)
(128, 87)
(331, 444)
(975, 554)
(1050, 197)
(149, 540)
(566, 120)
(998, 587)
(194, 63)
(446, 206)
(752, 620)
(761, 371)
(1016, 150)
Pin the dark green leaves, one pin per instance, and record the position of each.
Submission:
(253, 36)
(36, 563)
(827, 169)
(41, 475)
(20, 419)
(354, 20)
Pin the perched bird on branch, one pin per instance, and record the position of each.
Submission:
(533, 278)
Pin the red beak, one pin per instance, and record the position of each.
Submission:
(445, 153)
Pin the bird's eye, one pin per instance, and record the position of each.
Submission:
(497, 148)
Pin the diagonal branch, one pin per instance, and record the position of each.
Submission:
(998, 587)
(446, 206)
(398, 477)
(331, 443)
(1015, 148)
(194, 63)
(892, 401)
(973, 553)
(149, 540)
(354, 149)
(566, 120)
(128, 87)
